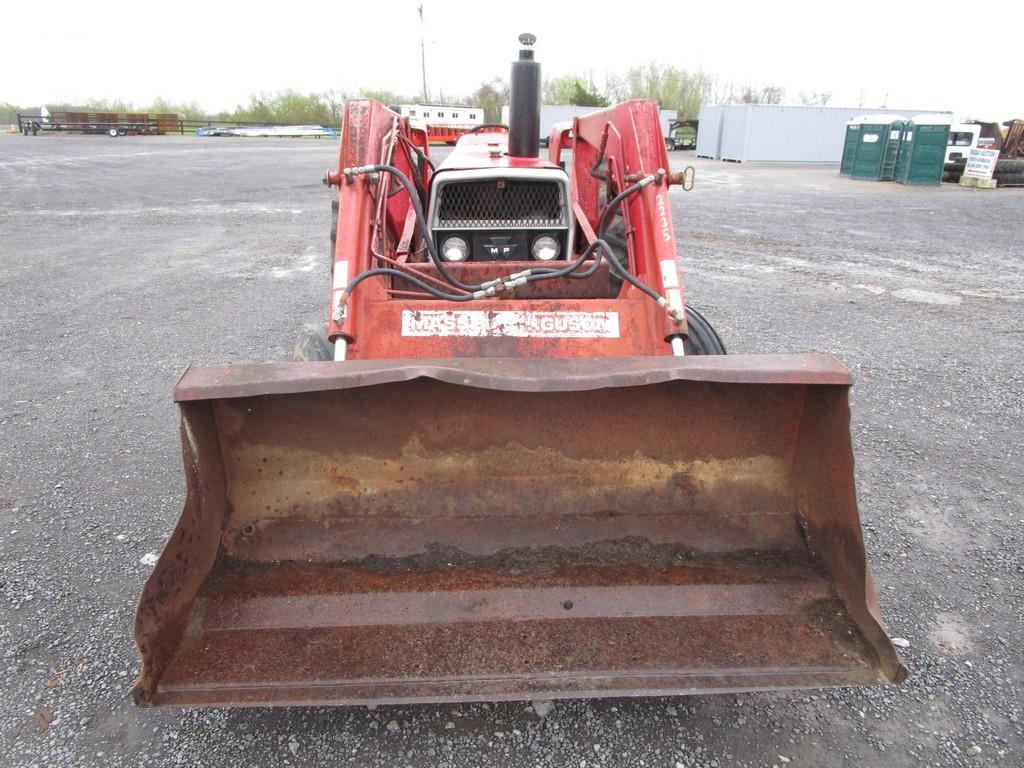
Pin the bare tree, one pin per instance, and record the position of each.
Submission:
(751, 94)
(772, 94)
(671, 87)
(491, 97)
(334, 103)
(816, 99)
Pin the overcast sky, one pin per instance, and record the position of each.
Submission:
(906, 54)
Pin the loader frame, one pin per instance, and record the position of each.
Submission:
(526, 496)
(613, 147)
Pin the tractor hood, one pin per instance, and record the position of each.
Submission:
(488, 150)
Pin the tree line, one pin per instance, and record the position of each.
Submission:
(673, 88)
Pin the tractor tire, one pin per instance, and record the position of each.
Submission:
(670, 145)
(313, 346)
(1009, 179)
(703, 339)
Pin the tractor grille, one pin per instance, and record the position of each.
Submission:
(500, 204)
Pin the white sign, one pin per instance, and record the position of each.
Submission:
(981, 163)
(549, 325)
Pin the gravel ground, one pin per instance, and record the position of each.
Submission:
(122, 261)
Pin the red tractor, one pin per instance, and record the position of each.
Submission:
(521, 466)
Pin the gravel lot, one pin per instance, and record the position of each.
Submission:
(122, 261)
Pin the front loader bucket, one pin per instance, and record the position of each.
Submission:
(375, 531)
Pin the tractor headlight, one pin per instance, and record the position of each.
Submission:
(455, 249)
(545, 248)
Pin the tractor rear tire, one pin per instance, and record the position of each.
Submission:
(703, 339)
(313, 346)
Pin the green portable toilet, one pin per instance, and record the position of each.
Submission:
(923, 150)
(850, 145)
(878, 147)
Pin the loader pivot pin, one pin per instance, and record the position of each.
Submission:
(683, 178)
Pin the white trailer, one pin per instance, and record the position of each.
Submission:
(771, 133)
(550, 114)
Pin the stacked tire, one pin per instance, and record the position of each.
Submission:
(1009, 173)
(951, 172)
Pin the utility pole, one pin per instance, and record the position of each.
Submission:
(423, 55)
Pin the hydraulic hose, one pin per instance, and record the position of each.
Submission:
(613, 260)
(602, 227)
(384, 271)
(421, 220)
(492, 288)
(570, 270)
(547, 273)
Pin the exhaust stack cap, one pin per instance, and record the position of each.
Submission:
(527, 40)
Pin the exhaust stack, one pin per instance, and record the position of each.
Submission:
(524, 107)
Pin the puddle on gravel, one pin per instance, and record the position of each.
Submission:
(925, 297)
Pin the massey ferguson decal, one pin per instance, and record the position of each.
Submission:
(550, 325)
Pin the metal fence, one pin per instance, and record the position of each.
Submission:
(124, 124)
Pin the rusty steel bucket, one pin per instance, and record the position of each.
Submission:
(373, 531)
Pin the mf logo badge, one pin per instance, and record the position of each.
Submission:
(499, 246)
